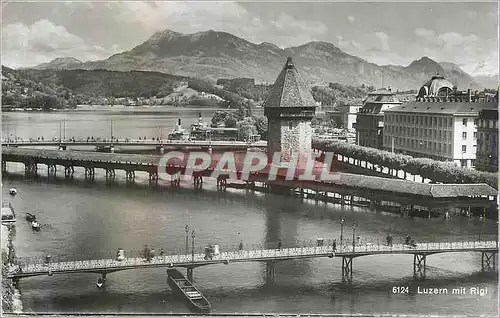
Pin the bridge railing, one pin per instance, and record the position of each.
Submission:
(186, 259)
(269, 249)
(125, 141)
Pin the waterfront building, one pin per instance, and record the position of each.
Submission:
(487, 140)
(436, 86)
(440, 124)
(289, 109)
(370, 118)
(344, 116)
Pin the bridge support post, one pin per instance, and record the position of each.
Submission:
(30, 168)
(190, 274)
(4, 166)
(197, 181)
(110, 175)
(175, 179)
(129, 176)
(221, 183)
(51, 170)
(270, 271)
(419, 261)
(347, 268)
(488, 261)
(89, 173)
(69, 172)
(153, 177)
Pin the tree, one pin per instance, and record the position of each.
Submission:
(246, 128)
(261, 126)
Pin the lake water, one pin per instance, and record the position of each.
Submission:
(83, 220)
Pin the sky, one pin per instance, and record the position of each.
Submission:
(397, 33)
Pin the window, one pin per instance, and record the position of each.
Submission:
(464, 121)
(475, 135)
(290, 125)
(464, 135)
(464, 148)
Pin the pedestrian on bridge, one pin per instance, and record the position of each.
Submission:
(241, 246)
(279, 245)
(334, 245)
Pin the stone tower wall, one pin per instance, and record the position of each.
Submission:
(295, 140)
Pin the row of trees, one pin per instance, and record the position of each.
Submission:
(446, 172)
(247, 125)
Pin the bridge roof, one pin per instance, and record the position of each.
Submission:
(417, 188)
(289, 90)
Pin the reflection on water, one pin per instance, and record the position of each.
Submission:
(93, 218)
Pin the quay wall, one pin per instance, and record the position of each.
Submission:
(11, 297)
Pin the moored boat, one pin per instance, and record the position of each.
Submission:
(196, 301)
(30, 217)
(35, 226)
(12, 191)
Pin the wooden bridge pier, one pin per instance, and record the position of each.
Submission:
(175, 180)
(51, 170)
(89, 173)
(419, 262)
(197, 181)
(30, 168)
(488, 261)
(69, 171)
(129, 176)
(222, 183)
(270, 271)
(347, 268)
(153, 177)
(110, 175)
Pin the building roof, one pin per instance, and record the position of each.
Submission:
(434, 86)
(445, 108)
(289, 90)
(488, 114)
(378, 101)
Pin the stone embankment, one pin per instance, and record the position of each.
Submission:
(11, 298)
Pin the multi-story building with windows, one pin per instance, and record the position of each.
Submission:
(438, 126)
(487, 140)
(370, 119)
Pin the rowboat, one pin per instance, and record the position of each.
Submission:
(196, 301)
(30, 217)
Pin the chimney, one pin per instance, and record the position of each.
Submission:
(179, 122)
(469, 95)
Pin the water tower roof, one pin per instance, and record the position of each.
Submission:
(289, 90)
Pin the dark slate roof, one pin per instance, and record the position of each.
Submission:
(488, 114)
(289, 90)
(450, 108)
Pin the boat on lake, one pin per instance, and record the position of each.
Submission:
(35, 226)
(30, 217)
(12, 191)
(196, 301)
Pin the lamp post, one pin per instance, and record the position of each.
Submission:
(341, 231)
(192, 250)
(186, 229)
(353, 234)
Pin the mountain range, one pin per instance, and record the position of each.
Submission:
(213, 55)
